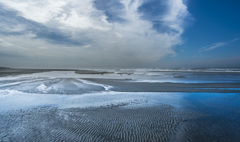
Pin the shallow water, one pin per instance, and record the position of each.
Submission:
(64, 106)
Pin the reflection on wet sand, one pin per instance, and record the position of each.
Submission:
(97, 106)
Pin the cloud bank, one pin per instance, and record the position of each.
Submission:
(89, 33)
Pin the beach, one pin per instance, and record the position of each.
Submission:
(119, 105)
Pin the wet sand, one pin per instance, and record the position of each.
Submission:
(116, 123)
(94, 124)
(212, 115)
(125, 86)
(91, 72)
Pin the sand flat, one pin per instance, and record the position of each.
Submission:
(121, 105)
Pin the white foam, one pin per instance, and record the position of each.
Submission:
(42, 88)
(106, 87)
(20, 100)
(4, 93)
(20, 82)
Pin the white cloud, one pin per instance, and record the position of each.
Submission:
(216, 45)
(177, 12)
(131, 42)
(211, 47)
(39, 10)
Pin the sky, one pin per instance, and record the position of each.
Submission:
(119, 33)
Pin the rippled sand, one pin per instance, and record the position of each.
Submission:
(64, 106)
(116, 123)
(112, 123)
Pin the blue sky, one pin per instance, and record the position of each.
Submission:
(119, 33)
(213, 24)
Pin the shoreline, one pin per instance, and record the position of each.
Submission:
(46, 107)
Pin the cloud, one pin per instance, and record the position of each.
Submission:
(216, 45)
(211, 47)
(235, 39)
(91, 33)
